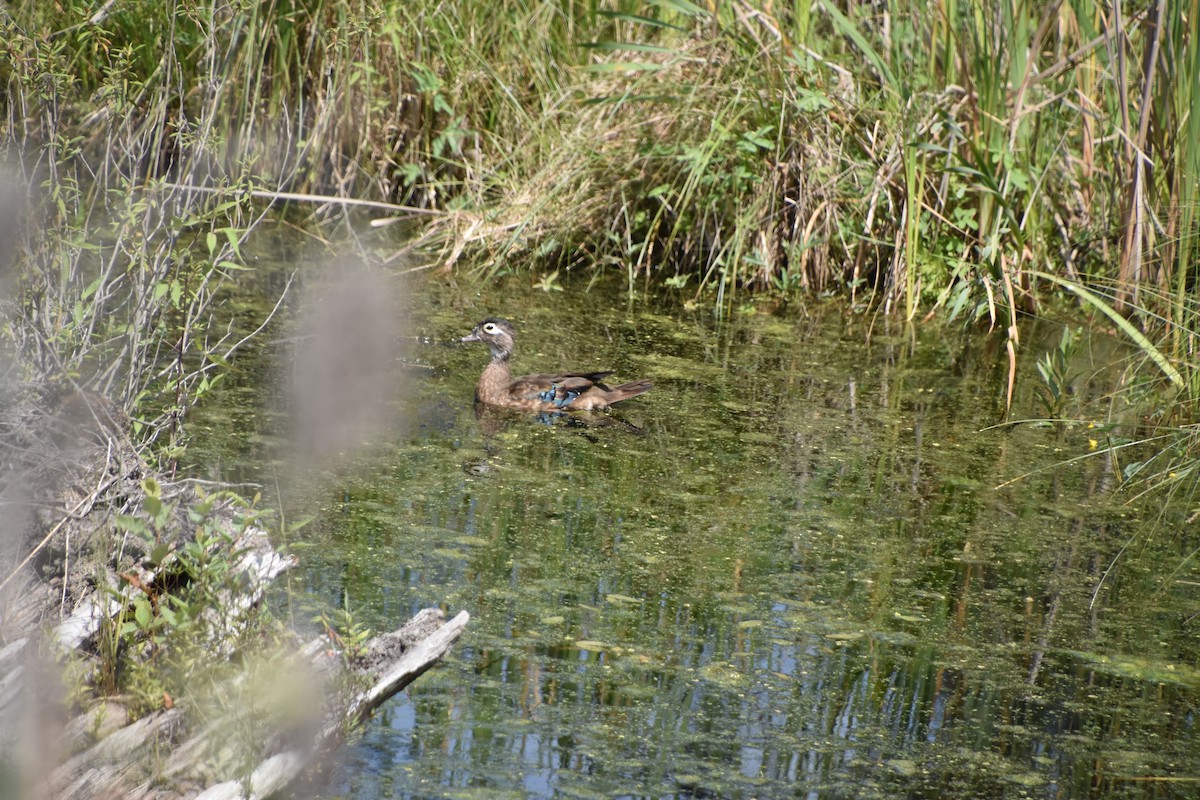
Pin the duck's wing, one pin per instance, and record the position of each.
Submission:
(591, 377)
(530, 387)
(559, 389)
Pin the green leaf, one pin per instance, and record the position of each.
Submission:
(640, 20)
(851, 31)
(425, 78)
(232, 235)
(617, 47)
(141, 612)
(295, 526)
(160, 551)
(91, 288)
(131, 524)
(680, 6)
(753, 141)
(624, 66)
(153, 505)
(808, 100)
(411, 173)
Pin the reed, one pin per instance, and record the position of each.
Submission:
(943, 160)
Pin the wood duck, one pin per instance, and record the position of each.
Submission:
(563, 391)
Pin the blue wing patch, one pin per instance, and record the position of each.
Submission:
(560, 396)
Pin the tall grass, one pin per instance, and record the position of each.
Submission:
(940, 156)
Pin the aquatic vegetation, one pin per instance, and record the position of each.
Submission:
(799, 575)
(852, 564)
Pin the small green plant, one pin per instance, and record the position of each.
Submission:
(549, 283)
(1054, 367)
(178, 603)
(350, 635)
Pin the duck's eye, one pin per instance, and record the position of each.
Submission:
(491, 327)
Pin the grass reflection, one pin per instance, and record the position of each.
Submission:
(784, 571)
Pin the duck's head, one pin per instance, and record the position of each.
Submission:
(498, 334)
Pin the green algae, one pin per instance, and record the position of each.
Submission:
(786, 570)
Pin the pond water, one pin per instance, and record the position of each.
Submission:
(796, 568)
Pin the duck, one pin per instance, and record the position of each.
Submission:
(544, 392)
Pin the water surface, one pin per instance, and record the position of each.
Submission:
(787, 571)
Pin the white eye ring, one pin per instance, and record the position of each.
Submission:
(491, 327)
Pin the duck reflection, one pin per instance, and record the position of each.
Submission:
(494, 421)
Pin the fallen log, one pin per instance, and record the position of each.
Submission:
(130, 762)
(391, 676)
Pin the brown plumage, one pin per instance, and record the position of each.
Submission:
(569, 391)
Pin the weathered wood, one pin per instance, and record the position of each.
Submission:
(411, 666)
(156, 757)
(10, 686)
(279, 770)
(111, 758)
(268, 777)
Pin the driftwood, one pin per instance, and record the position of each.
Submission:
(390, 675)
(51, 602)
(159, 757)
(162, 756)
